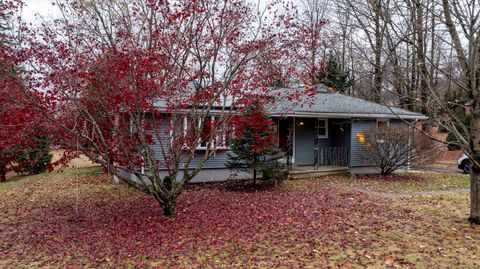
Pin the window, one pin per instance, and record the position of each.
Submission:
(224, 136)
(382, 123)
(206, 139)
(322, 128)
(212, 134)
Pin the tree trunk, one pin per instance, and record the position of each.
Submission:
(378, 53)
(170, 209)
(254, 176)
(412, 60)
(3, 173)
(422, 65)
(474, 197)
(475, 169)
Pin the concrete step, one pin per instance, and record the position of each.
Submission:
(322, 171)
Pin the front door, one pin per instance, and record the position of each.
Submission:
(305, 140)
(285, 136)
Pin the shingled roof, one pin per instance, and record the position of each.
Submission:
(325, 103)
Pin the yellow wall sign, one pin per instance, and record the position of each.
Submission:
(361, 138)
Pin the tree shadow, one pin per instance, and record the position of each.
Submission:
(394, 178)
(240, 185)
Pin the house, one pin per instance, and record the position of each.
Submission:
(316, 130)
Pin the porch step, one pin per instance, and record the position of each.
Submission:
(320, 172)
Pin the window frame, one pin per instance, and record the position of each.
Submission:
(220, 139)
(386, 121)
(209, 143)
(326, 128)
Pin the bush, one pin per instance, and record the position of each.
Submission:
(35, 159)
(425, 150)
(389, 149)
(274, 170)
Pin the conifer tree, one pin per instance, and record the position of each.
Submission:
(254, 147)
(332, 75)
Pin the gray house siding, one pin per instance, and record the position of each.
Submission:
(304, 141)
(362, 126)
(359, 127)
(215, 161)
(160, 138)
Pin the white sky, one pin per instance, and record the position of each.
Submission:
(43, 8)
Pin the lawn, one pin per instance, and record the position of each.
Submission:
(447, 159)
(408, 182)
(78, 218)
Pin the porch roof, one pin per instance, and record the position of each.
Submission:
(325, 103)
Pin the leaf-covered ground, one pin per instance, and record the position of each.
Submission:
(79, 219)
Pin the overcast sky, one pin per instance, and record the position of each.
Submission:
(41, 7)
(44, 8)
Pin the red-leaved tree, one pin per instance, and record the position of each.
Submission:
(139, 87)
(19, 124)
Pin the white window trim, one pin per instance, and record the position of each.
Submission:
(211, 144)
(223, 139)
(185, 125)
(326, 128)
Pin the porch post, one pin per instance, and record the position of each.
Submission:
(409, 147)
(293, 142)
(278, 130)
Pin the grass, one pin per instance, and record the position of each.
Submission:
(409, 182)
(78, 218)
(444, 232)
(15, 181)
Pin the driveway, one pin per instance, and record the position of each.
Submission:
(437, 169)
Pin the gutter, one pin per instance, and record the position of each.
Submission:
(349, 115)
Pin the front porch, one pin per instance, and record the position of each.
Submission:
(312, 143)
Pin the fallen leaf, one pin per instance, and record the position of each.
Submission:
(389, 262)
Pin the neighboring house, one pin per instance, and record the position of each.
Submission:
(324, 129)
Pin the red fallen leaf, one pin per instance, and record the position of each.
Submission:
(218, 219)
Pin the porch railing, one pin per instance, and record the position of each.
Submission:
(337, 156)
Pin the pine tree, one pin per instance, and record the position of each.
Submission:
(253, 148)
(332, 75)
(35, 159)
